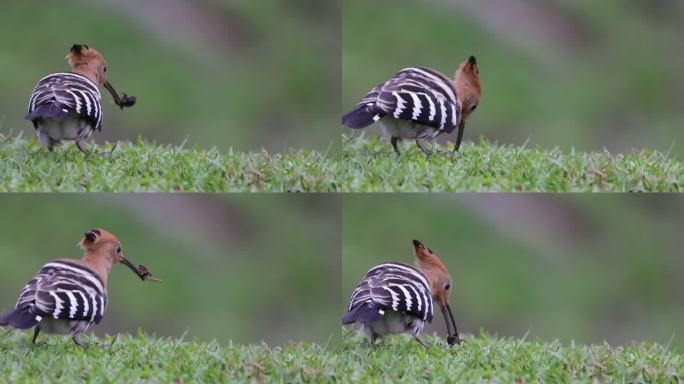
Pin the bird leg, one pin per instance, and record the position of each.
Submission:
(416, 329)
(79, 145)
(36, 331)
(395, 141)
(418, 339)
(77, 340)
(421, 138)
(421, 144)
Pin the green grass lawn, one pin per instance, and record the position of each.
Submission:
(25, 166)
(507, 360)
(365, 166)
(371, 166)
(146, 359)
(397, 359)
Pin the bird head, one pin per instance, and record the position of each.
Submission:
(440, 284)
(103, 249)
(90, 63)
(468, 87)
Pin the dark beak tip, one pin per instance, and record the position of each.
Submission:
(452, 340)
(472, 60)
(417, 243)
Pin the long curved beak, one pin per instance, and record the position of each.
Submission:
(133, 268)
(110, 88)
(452, 331)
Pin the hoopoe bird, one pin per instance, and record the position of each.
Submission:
(396, 298)
(420, 104)
(68, 295)
(67, 105)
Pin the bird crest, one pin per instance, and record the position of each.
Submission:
(88, 62)
(94, 237)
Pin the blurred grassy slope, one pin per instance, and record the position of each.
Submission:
(258, 88)
(230, 271)
(583, 268)
(580, 74)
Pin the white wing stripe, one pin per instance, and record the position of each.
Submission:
(73, 304)
(86, 275)
(102, 306)
(395, 298)
(85, 303)
(400, 105)
(444, 112)
(438, 81)
(418, 300)
(407, 296)
(86, 99)
(417, 106)
(94, 301)
(58, 305)
(403, 268)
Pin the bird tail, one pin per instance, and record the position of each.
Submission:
(46, 110)
(19, 318)
(364, 313)
(362, 116)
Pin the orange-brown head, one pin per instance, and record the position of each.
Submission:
(468, 87)
(102, 251)
(440, 284)
(89, 62)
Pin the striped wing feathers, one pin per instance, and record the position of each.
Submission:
(397, 287)
(64, 290)
(418, 94)
(72, 92)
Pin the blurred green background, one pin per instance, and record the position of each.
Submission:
(581, 73)
(240, 267)
(226, 73)
(575, 267)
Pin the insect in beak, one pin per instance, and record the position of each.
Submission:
(121, 102)
(141, 271)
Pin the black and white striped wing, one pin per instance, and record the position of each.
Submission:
(64, 290)
(69, 92)
(397, 287)
(417, 94)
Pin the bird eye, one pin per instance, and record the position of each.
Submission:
(118, 249)
(473, 107)
(447, 286)
(105, 68)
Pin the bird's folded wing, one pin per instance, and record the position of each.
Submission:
(71, 92)
(420, 95)
(397, 287)
(66, 291)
